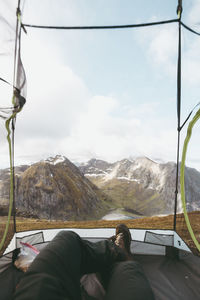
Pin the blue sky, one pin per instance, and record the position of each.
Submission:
(106, 94)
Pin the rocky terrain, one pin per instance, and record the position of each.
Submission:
(142, 186)
(56, 189)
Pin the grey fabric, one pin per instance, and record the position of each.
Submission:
(174, 279)
(128, 282)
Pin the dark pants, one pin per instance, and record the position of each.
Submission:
(55, 273)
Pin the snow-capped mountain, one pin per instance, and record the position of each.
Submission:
(57, 188)
(155, 181)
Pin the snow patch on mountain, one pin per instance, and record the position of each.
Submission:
(55, 160)
(94, 175)
(149, 175)
(112, 174)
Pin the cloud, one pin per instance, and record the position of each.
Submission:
(55, 93)
(56, 97)
(191, 64)
(160, 46)
(89, 126)
(163, 49)
(62, 116)
(193, 15)
(104, 133)
(65, 116)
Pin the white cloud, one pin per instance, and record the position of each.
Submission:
(191, 63)
(102, 132)
(89, 126)
(193, 16)
(160, 46)
(163, 49)
(55, 93)
(62, 116)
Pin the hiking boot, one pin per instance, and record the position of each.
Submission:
(123, 238)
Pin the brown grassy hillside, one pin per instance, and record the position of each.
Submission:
(165, 222)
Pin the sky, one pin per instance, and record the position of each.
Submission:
(106, 94)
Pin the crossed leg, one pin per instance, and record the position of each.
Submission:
(55, 273)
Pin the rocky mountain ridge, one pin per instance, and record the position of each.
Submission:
(55, 188)
(151, 179)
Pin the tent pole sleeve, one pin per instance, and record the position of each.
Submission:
(182, 178)
(13, 177)
(14, 119)
(7, 124)
(177, 177)
(179, 11)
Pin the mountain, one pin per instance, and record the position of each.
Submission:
(5, 187)
(55, 189)
(142, 186)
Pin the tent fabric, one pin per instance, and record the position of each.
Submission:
(155, 239)
(173, 279)
(11, 27)
(13, 93)
(170, 278)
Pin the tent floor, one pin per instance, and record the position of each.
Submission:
(172, 278)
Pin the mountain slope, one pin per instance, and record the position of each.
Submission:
(56, 189)
(142, 185)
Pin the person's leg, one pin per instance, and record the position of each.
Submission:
(56, 271)
(128, 282)
(54, 274)
(99, 256)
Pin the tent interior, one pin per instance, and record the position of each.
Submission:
(172, 273)
(84, 75)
